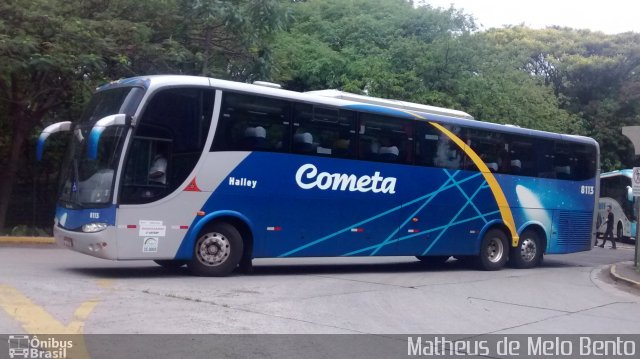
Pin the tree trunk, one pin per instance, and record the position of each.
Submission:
(9, 177)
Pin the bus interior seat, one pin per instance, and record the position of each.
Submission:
(303, 142)
(341, 147)
(389, 153)
(563, 172)
(255, 138)
(493, 166)
(516, 166)
(323, 150)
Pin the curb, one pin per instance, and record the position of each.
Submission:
(617, 277)
(28, 240)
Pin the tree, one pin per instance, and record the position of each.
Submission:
(54, 53)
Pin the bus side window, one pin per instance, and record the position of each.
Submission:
(448, 154)
(522, 160)
(172, 132)
(427, 138)
(545, 159)
(252, 123)
(323, 131)
(490, 147)
(385, 139)
(582, 158)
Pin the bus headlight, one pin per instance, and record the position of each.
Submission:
(94, 227)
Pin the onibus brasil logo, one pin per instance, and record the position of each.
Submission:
(24, 346)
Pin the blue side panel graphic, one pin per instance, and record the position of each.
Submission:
(313, 206)
(74, 219)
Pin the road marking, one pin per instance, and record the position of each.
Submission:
(36, 320)
(105, 283)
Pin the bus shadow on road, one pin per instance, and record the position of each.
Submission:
(282, 268)
(297, 267)
(150, 271)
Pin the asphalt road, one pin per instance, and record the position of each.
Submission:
(45, 289)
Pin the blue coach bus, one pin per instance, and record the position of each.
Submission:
(212, 174)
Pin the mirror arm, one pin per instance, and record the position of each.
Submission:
(64, 126)
(102, 124)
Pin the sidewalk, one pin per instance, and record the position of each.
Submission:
(27, 240)
(625, 272)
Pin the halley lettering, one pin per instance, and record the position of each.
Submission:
(307, 177)
(242, 182)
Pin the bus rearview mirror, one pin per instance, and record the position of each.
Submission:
(64, 126)
(102, 124)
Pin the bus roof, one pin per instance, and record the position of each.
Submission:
(391, 103)
(348, 100)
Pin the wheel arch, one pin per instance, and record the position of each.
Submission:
(539, 229)
(236, 219)
(495, 224)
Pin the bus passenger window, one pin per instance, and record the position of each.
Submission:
(323, 131)
(522, 160)
(448, 154)
(490, 147)
(252, 123)
(564, 163)
(385, 139)
(427, 138)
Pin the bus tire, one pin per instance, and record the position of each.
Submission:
(433, 260)
(619, 231)
(217, 251)
(493, 250)
(528, 253)
(170, 263)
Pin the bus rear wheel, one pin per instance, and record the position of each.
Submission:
(493, 250)
(528, 252)
(217, 251)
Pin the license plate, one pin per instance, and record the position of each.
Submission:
(68, 242)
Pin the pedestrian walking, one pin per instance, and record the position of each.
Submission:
(608, 233)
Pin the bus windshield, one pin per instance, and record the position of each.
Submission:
(89, 183)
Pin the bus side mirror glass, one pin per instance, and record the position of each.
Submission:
(629, 194)
(102, 124)
(64, 126)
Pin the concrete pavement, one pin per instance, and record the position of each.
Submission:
(624, 272)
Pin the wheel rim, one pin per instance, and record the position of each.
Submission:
(495, 250)
(213, 249)
(528, 249)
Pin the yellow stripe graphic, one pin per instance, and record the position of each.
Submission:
(498, 194)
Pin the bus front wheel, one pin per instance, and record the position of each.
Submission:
(217, 251)
(528, 252)
(493, 250)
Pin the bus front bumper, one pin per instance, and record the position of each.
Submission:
(101, 244)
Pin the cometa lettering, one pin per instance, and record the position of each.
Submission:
(308, 177)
